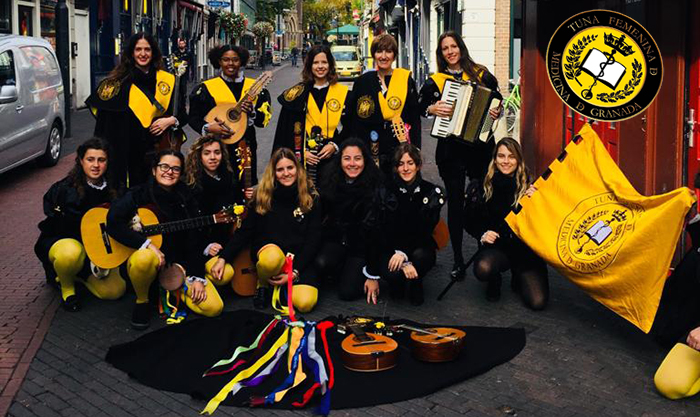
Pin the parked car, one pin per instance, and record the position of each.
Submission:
(253, 60)
(276, 58)
(31, 102)
(347, 61)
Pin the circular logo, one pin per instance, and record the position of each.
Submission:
(333, 105)
(365, 107)
(604, 65)
(163, 88)
(394, 103)
(108, 89)
(593, 233)
(294, 92)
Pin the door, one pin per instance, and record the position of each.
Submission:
(693, 112)
(82, 58)
(11, 133)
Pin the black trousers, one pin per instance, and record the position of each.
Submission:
(336, 260)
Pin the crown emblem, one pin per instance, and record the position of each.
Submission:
(618, 44)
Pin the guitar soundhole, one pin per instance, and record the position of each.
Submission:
(233, 115)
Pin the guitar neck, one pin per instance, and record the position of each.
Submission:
(179, 225)
(359, 334)
(247, 176)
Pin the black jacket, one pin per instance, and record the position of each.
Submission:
(212, 195)
(284, 225)
(183, 247)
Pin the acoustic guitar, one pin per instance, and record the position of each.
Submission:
(232, 115)
(245, 275)
(173, 138)
(107, 253)
(435, 344)
(368, 352)
(399, 129)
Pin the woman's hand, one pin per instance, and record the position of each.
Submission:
(489, 237)
(248, 193)
(247, 107)
(694, 338)
(409, 271)
(441, 109)
(372, 290)
(217, 271)
(396, 261)
(219, 128)
(159, 254)
(311, 159)
(160, 125)
(530, 190)
(197, 292)
(327, 151)
(214, 249)
(496, 113)
(279, 279)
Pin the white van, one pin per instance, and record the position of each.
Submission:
(348, 63)
(31, 102)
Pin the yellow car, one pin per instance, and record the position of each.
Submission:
(347, 61)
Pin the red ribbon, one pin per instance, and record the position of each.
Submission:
(289, 268)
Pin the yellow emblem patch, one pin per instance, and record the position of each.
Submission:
(604, 65)
(294, 92)
(163, 88)
(365, 107)
(108, 89)
(333, 105)
(394, 102)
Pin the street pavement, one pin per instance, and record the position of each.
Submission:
(580, 358)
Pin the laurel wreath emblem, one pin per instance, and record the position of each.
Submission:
(629, 88)
(573, 68)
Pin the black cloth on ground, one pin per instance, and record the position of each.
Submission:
(155, 360)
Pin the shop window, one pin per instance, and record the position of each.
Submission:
(48, 21)
(5, 16)
(26, 20)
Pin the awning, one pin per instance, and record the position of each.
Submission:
(348, 29)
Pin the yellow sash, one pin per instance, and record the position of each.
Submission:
(440, 78)
(392, 104)
(329, 117)
(222, 94)
(142, 107)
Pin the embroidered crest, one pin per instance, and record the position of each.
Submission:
(163, 88)
(365, 107)
(108, 89)
(394, 102)
(294, 92)
(297, 128)
(333, 105)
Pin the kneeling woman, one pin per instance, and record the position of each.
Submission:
(506, 181)
(347, 190)
(60, 248)
(407, 213)
(284, 217)
(173, 201)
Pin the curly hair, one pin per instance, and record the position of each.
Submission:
(368, 178)
(217, 52)
(193, 162)
(521, 174)
(76, 176)
(471, 68)
(262, 197)
(127, 63)
(307, 75)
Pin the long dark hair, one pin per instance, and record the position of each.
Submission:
(217, 52)
(307, 75)
(334, 175)
(194, 166)
(471, 68)
(127, 64)
(76, 176)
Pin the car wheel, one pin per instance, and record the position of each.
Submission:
(53, 147)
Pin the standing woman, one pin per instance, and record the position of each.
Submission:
(455, 158)
(134, 106)
(347, 191)
(407, 214)
(173, 201)
(228, 88)
(380, 96)
(312, 111)
(285, 217)
(59, 247)
(507, 180)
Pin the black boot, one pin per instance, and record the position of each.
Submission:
(140, 318)
(71, 304)
(459, 270)
(493, 290)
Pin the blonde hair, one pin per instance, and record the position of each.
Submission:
(193, 165)
(521, 174)
(262, 197)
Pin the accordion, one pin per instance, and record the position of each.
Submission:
(470, 120)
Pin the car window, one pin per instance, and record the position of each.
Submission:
(345, 56)
(7, 69)
(46, 71)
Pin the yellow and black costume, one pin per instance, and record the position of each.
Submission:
(371, 110)
(224, 90)
(125, 109)
(311, 117)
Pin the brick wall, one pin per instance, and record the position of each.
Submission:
(501, 54)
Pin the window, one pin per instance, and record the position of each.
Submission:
(7, 69)
(26, 20)
(45, 68)
(5, 16)
(345, 56)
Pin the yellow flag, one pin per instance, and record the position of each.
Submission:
(588, 222)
